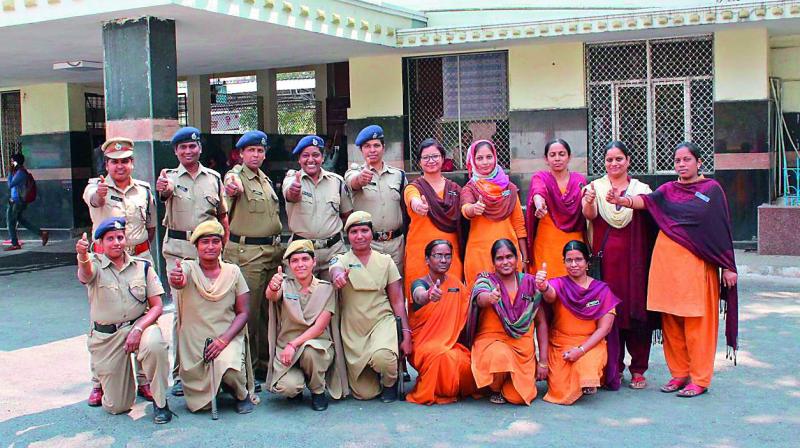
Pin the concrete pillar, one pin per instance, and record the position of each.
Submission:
(198, 101)
(141, 89)
(267, 89)
(321, 94)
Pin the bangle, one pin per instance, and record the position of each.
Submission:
(137, 328)
(289, 344)
(222, 340)
(408, 330)
(87, 260)
(630, 201)
(544, 366)
(580, 347)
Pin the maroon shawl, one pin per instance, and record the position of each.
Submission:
(564, 210)
(497, 209)
(696, 216)
(593, 303)
(445, 212)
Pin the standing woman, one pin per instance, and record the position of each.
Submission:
(491, 202)
(624, 239)
(554, 208)
(694, 243)
(433, 202)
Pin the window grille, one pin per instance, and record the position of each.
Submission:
(10, 128)
(183, 110)
(457, 99)
(234, 113)
(652, 95)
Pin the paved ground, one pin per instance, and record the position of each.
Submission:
(44, 371)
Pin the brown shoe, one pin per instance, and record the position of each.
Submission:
(96, 397)
(12, 247)
(45, 237)
(144, 392)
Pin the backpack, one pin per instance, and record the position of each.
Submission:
(30, 188)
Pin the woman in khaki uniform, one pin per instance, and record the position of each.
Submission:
(212, 304)
(124, 303)
(302, 348)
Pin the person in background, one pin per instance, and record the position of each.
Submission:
(17, 180)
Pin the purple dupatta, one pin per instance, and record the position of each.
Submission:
(564, 209)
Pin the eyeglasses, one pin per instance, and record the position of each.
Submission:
(431, 158)
(440, 257)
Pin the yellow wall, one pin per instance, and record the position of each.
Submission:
(546, 76)
(45, 109)
(376, 87)
(741, 64)
(77, 104)
(785, 64)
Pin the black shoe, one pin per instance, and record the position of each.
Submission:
(406, 377)
(297, 398)
(161, 415)
(389, 394)
(257, 386)
(177, 388)
(245, 406)
(319, 402)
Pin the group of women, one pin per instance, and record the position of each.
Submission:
(591, 268)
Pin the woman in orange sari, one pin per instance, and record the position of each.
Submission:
(583, 315)
(503, 357)
(554, 208)
(491, 202)
(433, 203)
(437, 316)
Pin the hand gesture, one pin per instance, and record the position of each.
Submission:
(176, 276)
(232, 188)
(214, 349)
(541, 207)
(420, 206)
(132, 341)
(435, 293)
(162, 183)
(541, 278)
(729, 278)
(589, 194)
(494, 296)
(102, 188)
(613, 197)
(479, 207)
(82, 246)
(365, 176)
(341, 279)
(296, 186)
(287, 355)
(572, 354)
(277, 280)
(541, 372)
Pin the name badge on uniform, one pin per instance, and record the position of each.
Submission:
(453, 289)
(291, 296)
(182, 188)
(354, 265)
(506, 192)
(702, 197)
(527, 298)
(452, 193)
(593, 303)
(258, 192)
(307, 193)
(115, 198)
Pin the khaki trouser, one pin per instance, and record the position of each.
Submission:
(311, 365)
(175, 249)
(258, 264)
(395, 248)
(113, 366)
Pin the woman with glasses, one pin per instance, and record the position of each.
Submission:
(433, 203)
(491, 202)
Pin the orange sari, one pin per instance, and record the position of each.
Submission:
(548, 245)
(443, 364)
(483, 233)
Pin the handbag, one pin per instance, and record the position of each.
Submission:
(596, 262)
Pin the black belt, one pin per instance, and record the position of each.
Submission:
(323, 243)
(253, 240)
(112, 328)
(387, 236)
(179, 234)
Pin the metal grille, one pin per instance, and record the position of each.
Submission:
(95, 111)
(10, 128)
(183, 110)
(234, 113)
(651, 94)
(458, 99)
(299, 112)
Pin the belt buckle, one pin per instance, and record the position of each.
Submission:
(320, 244)
(276, 240)
(383, 236)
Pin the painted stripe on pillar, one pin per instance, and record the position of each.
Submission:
(741, 161)
(144, 129)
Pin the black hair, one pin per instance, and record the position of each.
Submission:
(693, 148)
(428, 142)
(619, 145)
(383, 143)
(579, 246)
(501, 243)
(18, 157)
(309, 252)
(429, 247)
(561, 142)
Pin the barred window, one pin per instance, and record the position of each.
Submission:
(652, 95)
(10, 128)
(457, 99)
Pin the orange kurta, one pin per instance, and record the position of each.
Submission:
(421, 231)
(445, 374)
(566, 379)
(685, 288)
(498, 356)
(483, 232)
(548, 245)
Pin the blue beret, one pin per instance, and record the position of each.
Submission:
(187, 134)
(252, 138)
(370, 132)
(308, 140)
(109, 224)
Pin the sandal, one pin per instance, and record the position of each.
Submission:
(692, 390)
(497, 398)
(589, 390)
(638, 382)
(674, 385)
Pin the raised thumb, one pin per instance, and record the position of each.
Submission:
(102, 179)
(423, 200)
(163, 173)
(438, 282)
(544, 267)
(83, 237)
(280, 270)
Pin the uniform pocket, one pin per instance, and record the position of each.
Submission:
(138, 290)
(257, 204)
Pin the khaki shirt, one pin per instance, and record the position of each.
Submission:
(318, 213)
(135, 203)
(193, 200)
(117, 296)
(382, 197)
(300, 311)
(255, 212)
